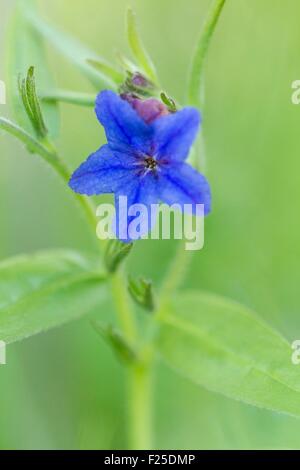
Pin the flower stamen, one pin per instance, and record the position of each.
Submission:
(150, 163)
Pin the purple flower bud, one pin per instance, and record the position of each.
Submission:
(139, 80)
(149, 110)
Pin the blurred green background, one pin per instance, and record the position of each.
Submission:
(65, 389)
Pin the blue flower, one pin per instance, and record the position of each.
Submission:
(143, 161)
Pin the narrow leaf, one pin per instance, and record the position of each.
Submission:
(141, 291)
(107, 70)
(115, 254)
(126, 64)
(75, 51)
(224, 347)
(169, 102)
(138, 50)
(45, 290)
(24, 98)
(116, 340)
(38, 120)
(195, 82)
(26, 48)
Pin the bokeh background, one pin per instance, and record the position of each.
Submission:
(65, 389)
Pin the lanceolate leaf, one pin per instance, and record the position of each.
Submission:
(224, 347)
(195, 85)
(126, 64)
(75, 51)
(26, 49)
(138, 50)
(32, 104)
(116, 339)
(116, 252)
(45, 290)
(106, 69)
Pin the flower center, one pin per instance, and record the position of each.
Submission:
(150, 163)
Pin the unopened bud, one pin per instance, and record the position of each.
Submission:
(142, 293)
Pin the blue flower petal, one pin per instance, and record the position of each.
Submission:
(103, 172)
(140, 191)
(181, 184)
(174, 134)
(123, 127)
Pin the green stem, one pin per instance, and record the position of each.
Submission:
(72, 97)
(195, 84)
(123, 306)
(139, 373)
(140, 406)
(32, 144)
(177, 270)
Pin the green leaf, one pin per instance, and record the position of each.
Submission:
(115, 253)
(195, 82)
(224, 347)
(32, 104)
(106, 69)
(45, 290)
(116, 340)
(138, 50)
(141, 291)
(126, 64)
(169, 102)
(26, 49)
(75, 51)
